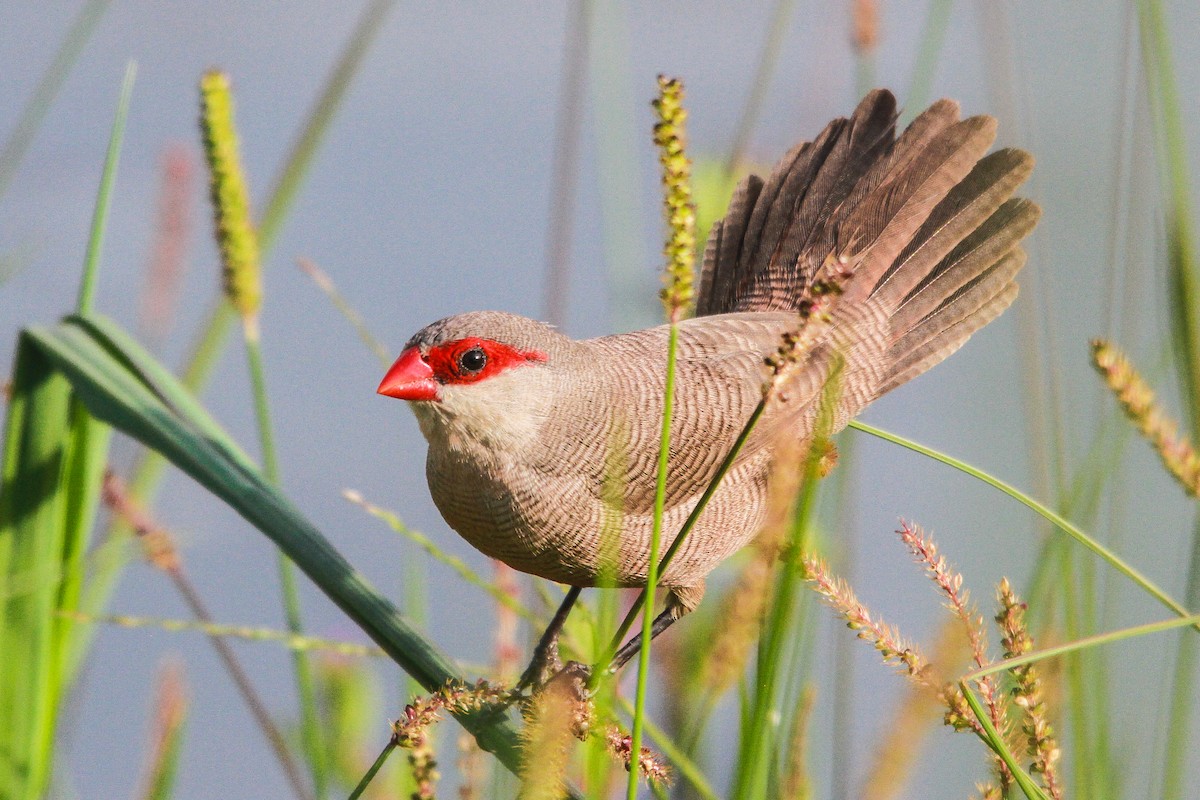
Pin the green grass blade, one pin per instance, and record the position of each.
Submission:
(1082, 644)
(760, 733)
(123, 388)
(43, 96)
(933, 38)
(214, 331)
(995, 741)
(1115, 561)
(304, 149)
(1184, 276)
(48, 492)
(55, 454)
(30, 509)
(88, 451)
(91, 262)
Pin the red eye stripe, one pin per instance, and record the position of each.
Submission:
(449, 365)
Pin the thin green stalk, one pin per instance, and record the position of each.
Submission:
(610, 85)
(797, 672)
(1183, 688)
(262, 412)
(375, 767)
(349, 312)
(304, 148)
(1185, 296)
(619, 637)
(1081, 722)
(1095, 671)
(310, 726)
(1184, 271)
(677, 296)
(415, 607)
(241, 268)
(48, 85)
(241, 632)
(758, 734)
(689, 769)
(214, 331)
(564, 168)
(91, 261)
(1062, 524)
(1100, 639)
(995, 741)
(777, 28)
(262, 717)
(1103, 458)
(597, 759)
(430, 548)
(652, 566)
(844, 650)
(933, 37)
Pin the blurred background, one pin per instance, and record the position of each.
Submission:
(437, 190)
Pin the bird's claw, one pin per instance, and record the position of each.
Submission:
(570, 681)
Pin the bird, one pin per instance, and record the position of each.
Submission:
(543, 449)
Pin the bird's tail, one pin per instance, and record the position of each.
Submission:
(926, 222)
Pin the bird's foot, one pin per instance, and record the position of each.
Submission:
(573, 677)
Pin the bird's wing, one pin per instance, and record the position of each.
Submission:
(612, 423)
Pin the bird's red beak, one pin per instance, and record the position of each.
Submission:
(410, 378)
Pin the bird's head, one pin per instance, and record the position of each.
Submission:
(484, 370)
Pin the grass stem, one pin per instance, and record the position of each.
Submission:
(1115, 561)
(91, 261)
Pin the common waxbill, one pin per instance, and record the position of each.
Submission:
(523, 422)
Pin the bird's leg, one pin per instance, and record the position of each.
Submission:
(545, 655)
(631, 648)
(680, 600)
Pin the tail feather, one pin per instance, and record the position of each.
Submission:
(970, 203)
(921, 131)
(867, 139)
(949, 325)
(722, 252)
(980, 251)
(784, 190)
(935, 352)
(753, 256)
(884, 223)
(923, 221)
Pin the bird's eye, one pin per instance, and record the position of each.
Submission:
(472, 361)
